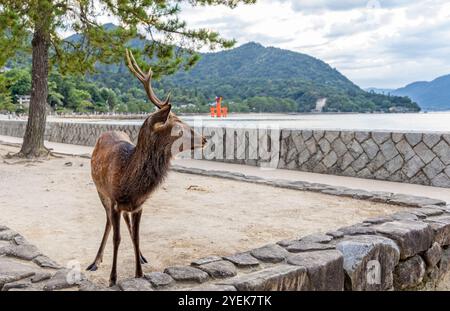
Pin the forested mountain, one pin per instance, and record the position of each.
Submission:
(254, 78)
(251, 78)
(434, 95)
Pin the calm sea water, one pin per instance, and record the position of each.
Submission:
(433, 122)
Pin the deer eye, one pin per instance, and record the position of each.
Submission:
(177, 130)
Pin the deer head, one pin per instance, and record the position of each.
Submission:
(163, 128)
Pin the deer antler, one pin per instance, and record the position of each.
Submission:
(145, 80)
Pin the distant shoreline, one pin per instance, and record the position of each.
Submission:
(249, 114)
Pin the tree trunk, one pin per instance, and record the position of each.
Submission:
(33, 141)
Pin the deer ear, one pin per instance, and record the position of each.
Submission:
(162, 114)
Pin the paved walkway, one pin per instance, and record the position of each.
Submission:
(291, 175)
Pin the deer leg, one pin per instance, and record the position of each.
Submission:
(126, 217)
(115, 221)
(99, 257)
(135, 236)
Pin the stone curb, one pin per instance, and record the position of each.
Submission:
(24, 268)
(380, 197)
(404, 252)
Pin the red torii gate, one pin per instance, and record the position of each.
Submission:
(218, 110)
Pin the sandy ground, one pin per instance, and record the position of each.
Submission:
(56, 207)
(444, 284)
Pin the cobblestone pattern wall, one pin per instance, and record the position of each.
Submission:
(84, 134)
(418, 158)
(24, 267)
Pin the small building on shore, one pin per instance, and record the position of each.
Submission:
(23, 102)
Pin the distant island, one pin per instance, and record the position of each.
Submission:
(430, 96)
(251, 78)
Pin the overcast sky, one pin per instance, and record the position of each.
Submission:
(379, 43)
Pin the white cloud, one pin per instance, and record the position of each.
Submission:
(383, 43)
(342, 5)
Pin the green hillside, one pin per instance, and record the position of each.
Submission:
(254, 78)
(251, 78)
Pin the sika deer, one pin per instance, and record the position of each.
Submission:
(126, 174)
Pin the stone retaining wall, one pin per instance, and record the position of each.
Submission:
(418, 158)
(404, 251)
(84, 134)
(24, 267)
(408, 250)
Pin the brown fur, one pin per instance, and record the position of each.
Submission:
(126, 174)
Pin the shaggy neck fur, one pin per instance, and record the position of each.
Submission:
(148, 164)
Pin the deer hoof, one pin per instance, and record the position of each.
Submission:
(143, 260)
(92, 267)
(112, 282)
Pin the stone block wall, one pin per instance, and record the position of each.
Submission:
(407, 250)
(418, 158)
(84, 134)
